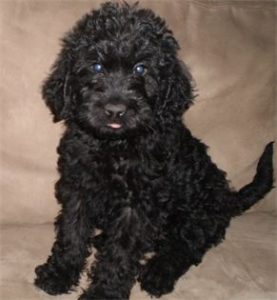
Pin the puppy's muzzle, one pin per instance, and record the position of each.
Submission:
(115, 110)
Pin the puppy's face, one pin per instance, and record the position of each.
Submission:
(118, 84)
(118, 74)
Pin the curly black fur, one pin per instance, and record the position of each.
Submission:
(128, 165)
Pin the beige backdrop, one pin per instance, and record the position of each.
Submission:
(229, 47)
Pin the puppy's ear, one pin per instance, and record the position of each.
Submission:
(179, 89)
(56, 90)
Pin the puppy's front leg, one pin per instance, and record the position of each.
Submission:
(117, 262)
(63, 267)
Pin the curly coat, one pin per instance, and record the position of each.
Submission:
(128, 164)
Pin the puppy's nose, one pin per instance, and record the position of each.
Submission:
(115, 110)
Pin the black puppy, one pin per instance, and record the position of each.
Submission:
(128, 164)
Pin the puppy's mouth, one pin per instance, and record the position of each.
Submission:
(114, 125)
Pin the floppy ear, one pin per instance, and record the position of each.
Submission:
(176, 93)
(56, 89)
(179, 89)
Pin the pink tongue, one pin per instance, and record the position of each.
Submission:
(114, 125)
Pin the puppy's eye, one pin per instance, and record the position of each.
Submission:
(140, 69)
(97, 68)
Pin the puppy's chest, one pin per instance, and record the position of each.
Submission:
(113, 176)
(126, 182)
(123, 178)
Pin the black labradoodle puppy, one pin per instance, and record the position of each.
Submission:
(128, 165)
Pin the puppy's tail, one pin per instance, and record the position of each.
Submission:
(258, 188)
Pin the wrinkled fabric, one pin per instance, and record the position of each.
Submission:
(229, 47)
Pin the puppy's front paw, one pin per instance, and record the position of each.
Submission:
(93, 296)
(84, 297)
(51, 281)
(101, 294)
(156, 277)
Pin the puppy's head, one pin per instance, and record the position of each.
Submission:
(118, 73)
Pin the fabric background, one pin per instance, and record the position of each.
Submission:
(230, 49)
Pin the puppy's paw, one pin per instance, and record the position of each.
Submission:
(157, 278)
(85, 297)
(52, 282)
(100, 293)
